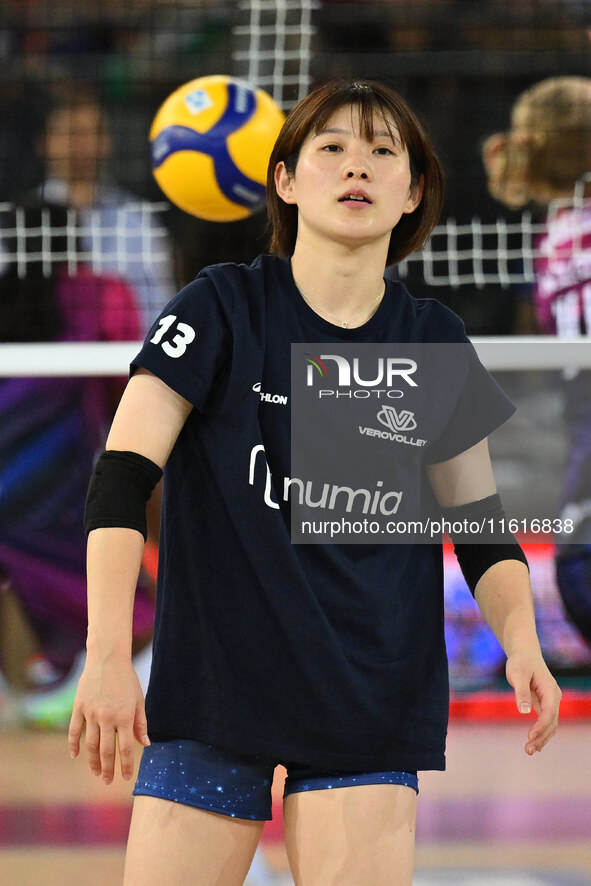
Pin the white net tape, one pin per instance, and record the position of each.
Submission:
(59, 359)
(503, 252)
(118, 240)
(478, 254)
(456, 255)
(273, 48)
(474, 254)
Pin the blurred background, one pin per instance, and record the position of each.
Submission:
(91, 250)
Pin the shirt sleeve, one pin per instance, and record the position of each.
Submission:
(189, 344)
(481, 407)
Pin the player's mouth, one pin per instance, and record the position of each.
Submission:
(355, 197)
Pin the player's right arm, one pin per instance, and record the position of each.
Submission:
(109, 703)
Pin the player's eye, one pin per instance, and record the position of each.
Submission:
(332, 148)
(383, 151)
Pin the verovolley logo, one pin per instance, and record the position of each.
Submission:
(398, 423)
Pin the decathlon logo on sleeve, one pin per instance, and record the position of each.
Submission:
(172, 336)
(281, 399)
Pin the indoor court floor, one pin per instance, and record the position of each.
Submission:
(495, 816)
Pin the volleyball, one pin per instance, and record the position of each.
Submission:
(210, 144)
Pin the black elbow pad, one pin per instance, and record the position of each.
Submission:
(119, 490)
(478, 551)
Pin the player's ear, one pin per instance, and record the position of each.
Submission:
(284, 183)
(415, 195)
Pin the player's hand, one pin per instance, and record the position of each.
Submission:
(536, 688)
(109, 704)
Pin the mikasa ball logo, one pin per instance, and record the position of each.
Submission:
(197, 101)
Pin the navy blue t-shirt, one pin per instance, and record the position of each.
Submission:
(322, 654)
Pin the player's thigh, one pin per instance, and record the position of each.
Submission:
(351, 835)
(171, 844)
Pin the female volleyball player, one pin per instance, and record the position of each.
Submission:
(542, 159)
(327, 658)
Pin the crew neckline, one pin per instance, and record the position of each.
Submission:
(324, 327)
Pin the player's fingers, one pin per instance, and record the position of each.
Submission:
(125, 739)
(547, 722)
(107, 753)
(538, 737)
(74, 732)
(541, 733)
(140, 726)
(523, 696)
(523, 702)
(92, 744)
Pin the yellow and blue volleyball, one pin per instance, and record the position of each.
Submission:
(210, 144)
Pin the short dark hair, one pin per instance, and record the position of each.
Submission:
(370, 97)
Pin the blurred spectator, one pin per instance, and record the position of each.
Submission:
(545, 158)
(80, 260)
(50, 432)
(117, 233)
(459, 64)
(417, 25)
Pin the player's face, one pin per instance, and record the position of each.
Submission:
(347, 188)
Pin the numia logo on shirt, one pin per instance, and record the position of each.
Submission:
(326, 496)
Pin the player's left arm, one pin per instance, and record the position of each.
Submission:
(502, 590)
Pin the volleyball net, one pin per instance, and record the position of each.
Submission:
(463, 79)
(133, 242)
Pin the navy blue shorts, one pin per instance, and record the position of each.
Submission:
(238, 785)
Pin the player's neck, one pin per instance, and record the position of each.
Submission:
(344, 284)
